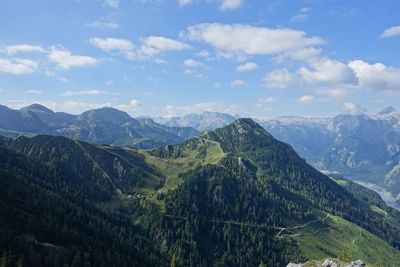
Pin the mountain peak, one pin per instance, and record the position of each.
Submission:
(37, 108)
(108, 114)
(387, 110)
(242, 135)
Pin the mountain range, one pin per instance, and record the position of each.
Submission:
(105, 125)
(363, 148)
(234, 196)
(359, 147)
(201, 122)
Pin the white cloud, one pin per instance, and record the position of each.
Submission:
(327, 71)
(62, 79)
(237, 83)
(102, 24)
(230, 4)
(122, 46)
(391, 32)
(133, 105)
(18, 66)
(156, 44)
(185, 2)
(376, 76)
(336, 93)
(354, 108)
(250, 40)
(24, 48)
(172, 110)
(36, 92)
(160, 61)
(218, 85)
(301, 15)
(65, 59)
(247, 67)
(204, 54)
(266, 101)
(190, 63)
(84, 92)
(279, 79)
(112, 44)
(306, 99)
(224, 5)
(112, 3)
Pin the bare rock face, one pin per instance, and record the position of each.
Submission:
(329, 263)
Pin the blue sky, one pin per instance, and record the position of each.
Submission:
(263, 59)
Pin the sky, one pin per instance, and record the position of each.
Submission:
(262, 59)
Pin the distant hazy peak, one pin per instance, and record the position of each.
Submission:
(37, 108)
(387, 110)
(106, 114)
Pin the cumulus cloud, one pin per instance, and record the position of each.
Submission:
(391, 32)
(102, 24)
(236, 83)
(190, 63)
(110, 44)
(65, 59)
(18, 66)
(306, 99)
(247, 67)
(153, 45)
(122, 46)
(354, 108)
(327, 71)
(251, 40)
(278, 79)
(376, 76)
(24, 48)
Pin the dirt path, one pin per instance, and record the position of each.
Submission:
(289, 229)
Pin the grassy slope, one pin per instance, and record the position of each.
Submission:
(337, 234)
(172, 167)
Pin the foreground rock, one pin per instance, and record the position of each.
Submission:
(328, 263)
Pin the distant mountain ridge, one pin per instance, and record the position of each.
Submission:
(361, 147)
(104, 125)
(201, 122)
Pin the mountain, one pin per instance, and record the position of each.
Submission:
(101, 126)
(49, 117)
(200, 122)
(234, 196)
(361, 147)
(23, 121)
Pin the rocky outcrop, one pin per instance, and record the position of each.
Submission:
(328, 263)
